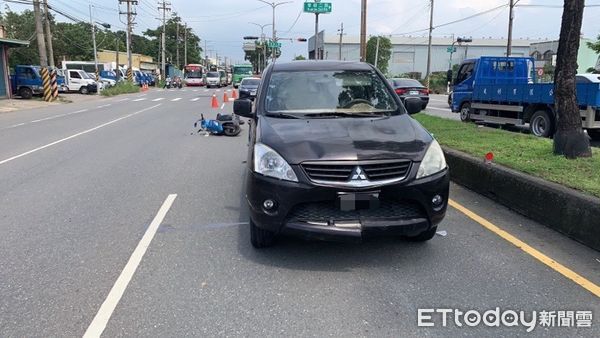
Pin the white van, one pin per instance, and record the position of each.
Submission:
(77, 80)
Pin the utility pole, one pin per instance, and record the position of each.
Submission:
(341, 30)
(185, 45)
(363, 30)
(118, 71)
(317, 57)
(130, 15)
(94, 44)
(206, 56)
(39, 31)
(274, 37)
(429, 44)
(511, 17)
(264, 45)
(48, 35)
(177, 45)
(164, 7)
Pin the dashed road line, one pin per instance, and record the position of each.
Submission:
(158, 99)
(140, 99)
(107, 308)
(121, 100)
(195, 99)
(176, 99)
(75, 135)
(44, 119)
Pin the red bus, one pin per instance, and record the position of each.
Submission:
(193, 75)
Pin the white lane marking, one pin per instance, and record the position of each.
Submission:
(435, 100)
(176, 99)
(218, 90)
(141, 99)
(159, 99)
(195, 99)
(107, 308)
(142, 95)
(104, 106)
(44, 119)
(121, 100)
(76, 135)
(195, 90)
(222, 105)
(206, 90)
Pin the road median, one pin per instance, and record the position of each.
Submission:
(525, 176)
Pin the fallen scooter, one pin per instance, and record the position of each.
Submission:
(225, 124)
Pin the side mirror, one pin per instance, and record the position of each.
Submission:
(243, 108)
(413, 105)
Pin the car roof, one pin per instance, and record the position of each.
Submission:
(308, 65)
(591, 77)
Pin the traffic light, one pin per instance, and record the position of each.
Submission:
(301, 39)
(461, 40)
(250, 37)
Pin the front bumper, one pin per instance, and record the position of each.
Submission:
(308, 210)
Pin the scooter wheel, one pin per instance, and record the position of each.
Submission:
(231, 130)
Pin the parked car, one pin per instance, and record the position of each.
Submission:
(248, 88)
(411, 88)
(78, 80)
(335, 154)
(223, 78)
(213, 79)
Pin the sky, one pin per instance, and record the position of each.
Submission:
(223, 23)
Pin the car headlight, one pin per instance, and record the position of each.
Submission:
(269, 163)
(433, 162)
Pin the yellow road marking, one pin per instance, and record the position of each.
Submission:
(554, 265)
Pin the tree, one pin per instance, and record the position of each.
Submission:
(384, 54)
(172, 40)
(300, 57)
(569, 140)
(256, 56)
(595, 46)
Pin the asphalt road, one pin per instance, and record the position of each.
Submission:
(438, 106)
(85, 186)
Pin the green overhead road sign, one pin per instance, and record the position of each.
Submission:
(273, 44)
(451, 49)
(317, 7)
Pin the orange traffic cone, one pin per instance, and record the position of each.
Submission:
(215, 102)
(225, 98)
(234, 93)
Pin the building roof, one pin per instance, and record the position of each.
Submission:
(308, 65)
(436, 41)
(13, 42)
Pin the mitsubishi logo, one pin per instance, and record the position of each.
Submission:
(358, 174)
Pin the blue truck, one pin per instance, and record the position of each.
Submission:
(503, 90)
(27, 81)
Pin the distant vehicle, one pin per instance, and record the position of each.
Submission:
(248, 88)
(229, 78)
(213, 79)
(410, 88)
(103, 82)
(503, 90)
(27, 81)
(335, 155)
(587, 78)
(79, 81)
(239, 72)
(223, 77)
(194, 75)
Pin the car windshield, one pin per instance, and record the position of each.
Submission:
(213, 74)
(407, 83)
(85, 75)
(328, 92)
(250, 82)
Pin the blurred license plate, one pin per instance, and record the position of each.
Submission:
(358, 201)
(414, 92)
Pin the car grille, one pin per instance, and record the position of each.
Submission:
(342, 171)
(327, 212)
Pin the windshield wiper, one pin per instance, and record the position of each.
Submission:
(283, 116)
(341, 114)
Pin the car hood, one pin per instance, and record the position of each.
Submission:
(345, 139)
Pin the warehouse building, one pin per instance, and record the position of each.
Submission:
(409, 53)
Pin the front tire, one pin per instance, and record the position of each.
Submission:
(83, 90)
(261, 238)
(25, 93)
(424, 236)
(540, 124)
(465, 112)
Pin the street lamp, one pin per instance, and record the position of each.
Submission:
(274, 5)
(449, 74)
(262, 39)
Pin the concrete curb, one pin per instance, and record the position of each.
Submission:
(566, 210)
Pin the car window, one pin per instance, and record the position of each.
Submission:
(250, 82)
(328, 91)
(407, 83)
(74, 75)
(212, 74)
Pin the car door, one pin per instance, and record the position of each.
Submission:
(75, 80)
